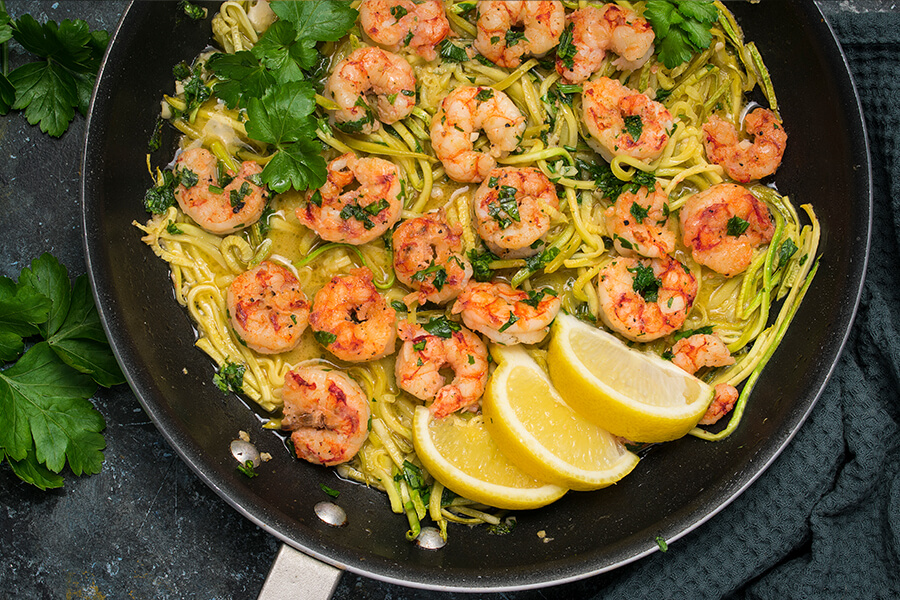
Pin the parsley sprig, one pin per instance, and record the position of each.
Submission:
(272, 82)
(682, 27)
(60, 80)
(46, 417)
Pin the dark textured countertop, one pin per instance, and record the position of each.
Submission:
(146, 526)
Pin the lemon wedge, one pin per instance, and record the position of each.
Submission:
(632, 394)
(540, 433)
(459, 452)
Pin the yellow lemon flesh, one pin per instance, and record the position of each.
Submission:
(459, 452)
(541, 434)
(632, 394)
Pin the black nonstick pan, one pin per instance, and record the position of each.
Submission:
(676, 487)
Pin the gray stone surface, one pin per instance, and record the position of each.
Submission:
(145, 527)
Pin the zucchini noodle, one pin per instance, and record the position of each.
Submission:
(750, 311)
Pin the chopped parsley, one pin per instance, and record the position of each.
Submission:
(442, 327)
(513, 37)
(533, 263)
(787, 249)
(230, 377)
(610, 185)
(192, 11)
(509, 323)
(439, 272)
(399, 306)
(645, 282)
(736, 226)
(639, 212)
(188, 178)
(236, 197)
(705, 330)
(323, 337)
(451, 52)
(484, 94)
(661, 542)
(362, 214)
(398, 12)
(172, 229)
(316, 198)
(420, 345)
(535, 296)
(634, 126)
(329, 491)
(506, 204)
(566, 50)
(247, 468)
(481, 264)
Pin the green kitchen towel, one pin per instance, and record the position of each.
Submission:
(824, 522)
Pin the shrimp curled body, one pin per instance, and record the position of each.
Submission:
(268, 309)
(639, 223)
(596, 30)
(543, 21)
(428, 257)
(236, 205)
(744, 160)
(461, 114)
(371, 71)
(723, 225)
(356, 216)
(422, 357)
(707, 350)
(327, 412)
(506, 315)
(398, 23)
(513, 208)
(622, 121)
(645, 299)
(352, 320)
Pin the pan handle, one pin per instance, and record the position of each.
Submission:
(296, 575)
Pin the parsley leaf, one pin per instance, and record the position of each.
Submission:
(682, 27)
(481, 264)
(787, 249)
(49, 90)
(241, 76)
(645, 282)
(451, 52)
(736, 226)
(566, 50)
(634, 126)
(439, 272)
(441, 327)
(280, 117)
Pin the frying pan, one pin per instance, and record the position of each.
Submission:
(676, 487)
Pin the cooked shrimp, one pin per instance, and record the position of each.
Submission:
(268, 309)
(359, 215)
(220, 201)
(723, 225)
(461, 114)
(506, 315)
(596, 30)
(701, 350)
(645, 299)
(725, 398)
(623, 121)
(707, 350)
(513, 209)
(428, 257)
(744, 160)
(352, 320)
(423, 355)
(398, 23)
(371, 71)
(328, 413)
(639, 223)
(496, 40)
